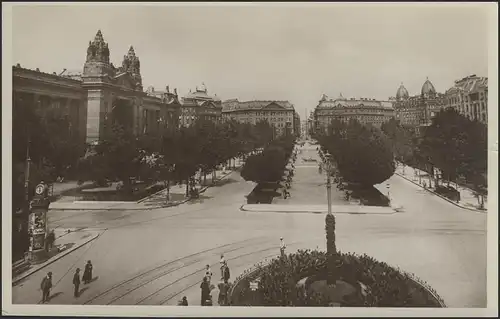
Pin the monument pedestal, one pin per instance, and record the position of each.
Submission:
(37, 256)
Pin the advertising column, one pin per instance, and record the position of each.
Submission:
(37, 223)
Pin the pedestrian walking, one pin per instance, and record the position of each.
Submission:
(45, 286)
(76, 282)
(51, 238)
(87, 273)
(222, 264)
(223, 289)
(227, 274)
(282, 247)
(205, 291)
(208, 274)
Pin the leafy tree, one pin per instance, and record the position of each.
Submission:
(116, 157)
(457, 146)
(348, 144)
(401, 139)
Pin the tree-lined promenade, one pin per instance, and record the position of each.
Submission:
(452, 148)
(174, 156)
(453, 144)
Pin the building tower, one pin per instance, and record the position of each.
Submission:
(132, 65)
(402, 93)
(97, 71)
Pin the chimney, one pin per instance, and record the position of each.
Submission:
(168, 89)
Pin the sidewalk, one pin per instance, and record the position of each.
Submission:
(467, 198)
(318, 209)
(67, 241)
(154, 201)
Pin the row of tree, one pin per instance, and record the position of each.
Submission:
(269, 165)
(361, 154)
(175, 155)
(454, 144)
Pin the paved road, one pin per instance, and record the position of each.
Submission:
(156, 257)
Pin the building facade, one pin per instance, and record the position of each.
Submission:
(98, 97)
(417, 111)
(280, 114)
(366, 111)
(199, 104)
(469, 96)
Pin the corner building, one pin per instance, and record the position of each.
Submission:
(417, 111)
(99, 96)
(366, 111)
(198, 104)
(469, 96)
(279, 114)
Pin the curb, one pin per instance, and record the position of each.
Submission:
(16, 280)
(446, 199)
(394, 211)
(142, 208)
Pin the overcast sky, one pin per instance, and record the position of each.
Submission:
(293, 53)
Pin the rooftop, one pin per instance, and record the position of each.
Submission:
(235, 105)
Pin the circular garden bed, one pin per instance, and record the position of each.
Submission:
(299, 279)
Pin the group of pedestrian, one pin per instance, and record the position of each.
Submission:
(46, 284)
(206, 285)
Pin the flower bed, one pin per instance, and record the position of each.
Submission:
(385, 285)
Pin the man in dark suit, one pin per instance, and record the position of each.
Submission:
(46, 285)
(76, 281)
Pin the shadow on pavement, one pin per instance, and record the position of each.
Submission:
(82, 291)
(198, 200)
(52, 296)
(224, 182)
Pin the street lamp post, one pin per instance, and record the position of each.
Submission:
(329, 170)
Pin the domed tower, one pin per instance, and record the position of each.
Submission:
(428, 89)
(97, 62)
(402, 93)
(132, 64)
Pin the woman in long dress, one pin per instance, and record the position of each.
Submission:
(87, 274)
(205, 291)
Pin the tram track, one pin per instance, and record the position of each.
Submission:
(165, 269)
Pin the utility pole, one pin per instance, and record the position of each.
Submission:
(328, 182)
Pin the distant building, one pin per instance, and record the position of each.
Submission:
(366, 111)
(296, 124)
(280, 114)
(469, 96)
(417, 111)
(99, 96)
(199, 104)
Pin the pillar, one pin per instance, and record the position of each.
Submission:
(95, 115)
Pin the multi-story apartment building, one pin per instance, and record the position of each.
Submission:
(469, 96)
(280, 114)
(99, 96)
(366, 111)
(199, 104)
(417, 111)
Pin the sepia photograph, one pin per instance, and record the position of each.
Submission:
(244, 159)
